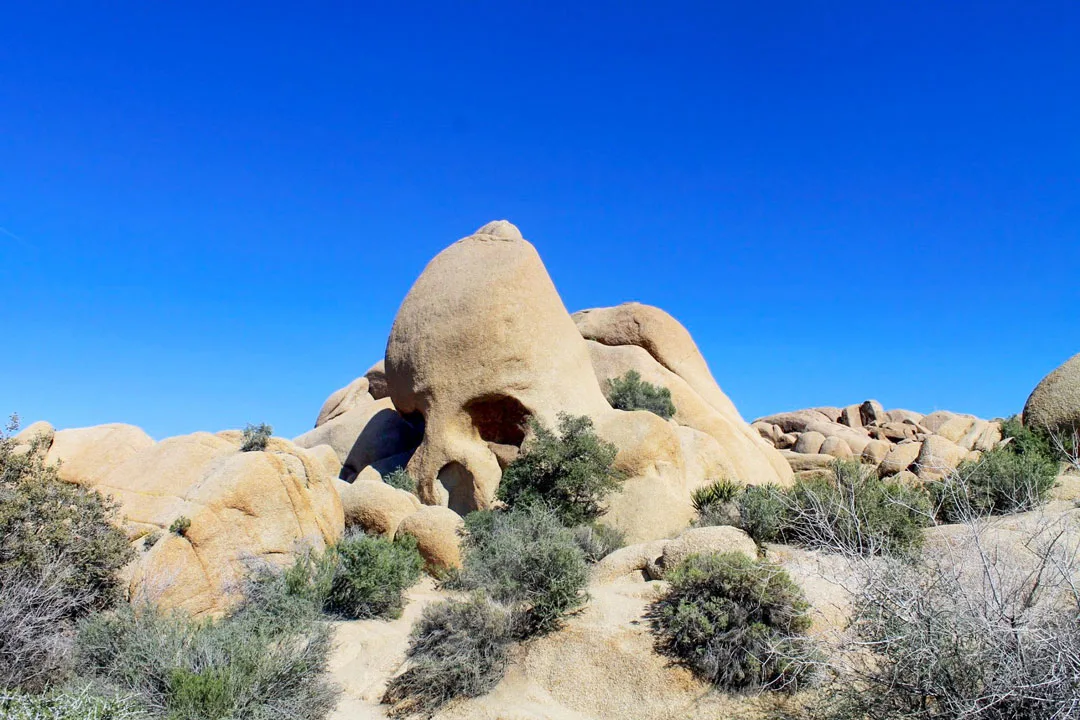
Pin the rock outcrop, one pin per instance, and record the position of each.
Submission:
(482, 343)
(893, 441)
(1055, 402)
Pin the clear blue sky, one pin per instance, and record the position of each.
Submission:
(210, 212)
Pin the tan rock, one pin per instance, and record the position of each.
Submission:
(628, 560)
(851, 416)
(956, 427)
(897, 431)
(876, 451)
(243, 507)
(787, 441)
(699, 541)
(905, 416)
(809, 442)
(375, 507)
(871, 412)
(1055, 401)
(797, 421)
(437, 532)
(325, 456)
(837, 448)
(832, 414)
(352, 396)
(989, 438)
(856, 438)
(936, 419)
(86, 455)
(908, 478)
(40, 432)
(900, 457)
(363, 435)
(769, 432)
(376, 376)
(938, 457)
(800, 462)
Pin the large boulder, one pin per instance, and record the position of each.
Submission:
(243, 507)
(1055, 401)
(938, 457)
(86, 455)
(437, 531)
(363, 436)
(353, 395)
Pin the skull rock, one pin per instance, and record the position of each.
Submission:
(481, 343)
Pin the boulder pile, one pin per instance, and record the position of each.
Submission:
(893, 441)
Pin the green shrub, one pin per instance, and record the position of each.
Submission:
(359, 577)
(401, 480)
(150, 540)
(256, 437)
(736, 622)
(45, 522)
(598, 540)
(526, 559)
(630, 392)
(854, 511)
(570, 472)
(371, 575)
(715, 503)
(459, 648)
(69, 705)
(1028, 442)
(180, 526)
(266, 660)
(999, 483)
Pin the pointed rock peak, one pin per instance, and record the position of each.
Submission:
(502, 229)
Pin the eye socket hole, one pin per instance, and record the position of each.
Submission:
(499, 419)
(460, 487)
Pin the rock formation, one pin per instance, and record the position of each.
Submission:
(1055, 402)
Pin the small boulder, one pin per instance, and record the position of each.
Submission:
(905, 416)
(851, 416)
(836, 447)
(900, 457)
(696, 541)
(375, 507)
(813, 461)
(437, 532)
(1055, 401)
(938, 457)
(376, 377)
(809, 443)
(876, 451)
(871, 412)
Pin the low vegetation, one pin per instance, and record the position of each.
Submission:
(526, 560)
(630, 392)
(81, 704)
(598, 540)
(401, 480)
(736, 622)
(359, 577)
(256, 437)
(459, 648)
(717, 503)
(1001, 482)
(571, 471)
(265, 660)
(180, 526)
(854, 511)
(993, 636)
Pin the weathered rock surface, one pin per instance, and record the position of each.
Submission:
(1055, 401)
(352, 396)
(437, 531)
(86, 455)
(243, 506)
(374, 506)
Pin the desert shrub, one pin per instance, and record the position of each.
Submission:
(371, 575)
(180, 526)
(598, 540)
(999, 483)
(59, 558)
(525, 559)
(1028, 441)
(630, 392)
(358, 577)
(570, 471)
(81, 704)
(401, 480)
(715, 503)
(256, 437)
(854, 511)
(150, 540)
(984, 636)
(45, 522)
(458, 648)
(266, 660)
(736, 622)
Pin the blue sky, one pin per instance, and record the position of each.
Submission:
(211, 212)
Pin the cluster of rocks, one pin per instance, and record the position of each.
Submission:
(892, 441)
(481, 345)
